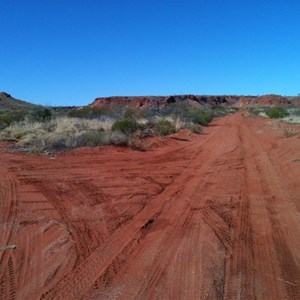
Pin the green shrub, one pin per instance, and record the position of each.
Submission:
(40, 114)
(195, 128)
(200, 116)
(219, 110)
(276, 112)
(190, 114)
(61, 134)
(253, 111)
(134, 114)
(93, 138)
(164, 127)
(8, 118)
(89, 112)
(126, 126)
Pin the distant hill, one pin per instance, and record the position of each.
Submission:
(267, 100)
(8, 103)
(146, 102)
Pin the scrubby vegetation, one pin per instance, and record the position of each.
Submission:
(40, 114)
(189, 114)
(8, 118)
(196, 128)
(220, 110)
(198, 116)
(289, 131)
(254, 111)
(276, 112)
(164, 127)
(294, 115)
(50, 129)
(61, 134)
(288, 114)
(60, 128)
(126, 126)
(134, 114)
(37, 114)
(89, 112)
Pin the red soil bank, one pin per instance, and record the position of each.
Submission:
(207, 217)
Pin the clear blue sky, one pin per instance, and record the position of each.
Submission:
(64, 52)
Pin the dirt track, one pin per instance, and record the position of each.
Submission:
(213, 217)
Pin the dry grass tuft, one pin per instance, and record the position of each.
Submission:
(62, 133)
(289, 131)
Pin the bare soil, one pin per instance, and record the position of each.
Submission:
(206, 217)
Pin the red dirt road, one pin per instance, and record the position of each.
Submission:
(211, 217)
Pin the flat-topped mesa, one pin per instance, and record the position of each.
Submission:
(267, 100)
(144, 102)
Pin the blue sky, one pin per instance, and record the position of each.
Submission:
(70, 52)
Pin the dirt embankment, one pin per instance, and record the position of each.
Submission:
(216, 216)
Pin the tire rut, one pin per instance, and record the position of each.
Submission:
(285, 274)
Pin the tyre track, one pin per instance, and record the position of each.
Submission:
(168, 250)
(8, 282)
(8, 229)
(58, 198)
(239, 274)
(213, 218)
(83, 277)
(155, 275)
(8, 205)
(286, 274)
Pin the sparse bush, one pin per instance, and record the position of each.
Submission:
(253, 111)
(89, 112)
(289, 132)
(8, 118)
(192, 114)
(176, 121)
(294, 111)
(92, 138)
(40, 114)
(233, 109)
(164, 127)
(126, 126)
(276, 112)
(200, 116)
(40, 131)
(218, 110)
(134, 114)
(195, 128)
(62, 133)
(116, 138)
(137, 143)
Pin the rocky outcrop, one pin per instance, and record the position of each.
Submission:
(3, 94)
(146, 102)
(267, 100)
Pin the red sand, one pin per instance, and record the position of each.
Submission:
(215, 217)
